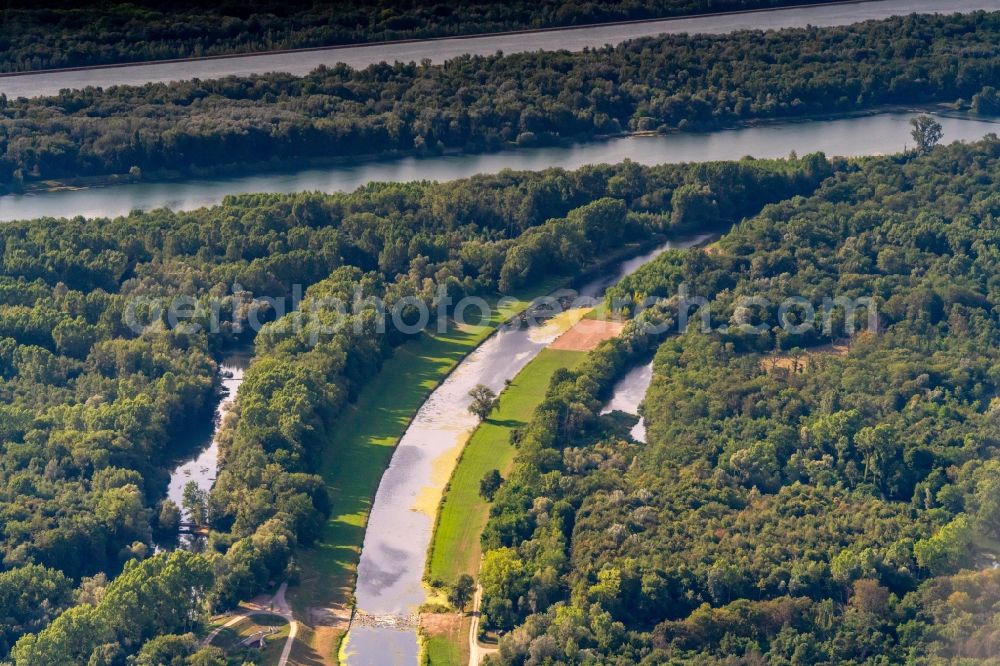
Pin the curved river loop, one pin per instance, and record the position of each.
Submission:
(389, 587)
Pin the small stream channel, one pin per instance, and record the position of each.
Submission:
(628, 393)
(201, 464)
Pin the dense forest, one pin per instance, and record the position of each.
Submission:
(44, 35)
(797, 502)
(98, 383)
(482, 103)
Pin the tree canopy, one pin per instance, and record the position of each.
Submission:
(484, 103)
(836, 509)
(44, 35)
(98, 386)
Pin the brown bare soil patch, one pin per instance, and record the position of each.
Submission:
(587, 334)
(800, 362)
(320, 631)
(437, 624)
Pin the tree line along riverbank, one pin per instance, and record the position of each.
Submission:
(780, 509)
(46, 35)
(94, 401)
(470, 103)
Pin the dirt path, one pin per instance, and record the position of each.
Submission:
(476, 651)
(281, 605)
(277, 606)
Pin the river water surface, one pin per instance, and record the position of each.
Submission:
(202, 463)
(628, 393)
(850, 137)
(389, 587)
(439, 50)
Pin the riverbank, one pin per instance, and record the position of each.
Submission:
(200, 463)
(463, 511)
(353, 465)
(389, 588)
(277, 166)
(868, 134)
(463, 514)
(788, 4)
(565, 38)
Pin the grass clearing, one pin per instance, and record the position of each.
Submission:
(798, 361)
(463, 513)
(311, 645)
(444, 639)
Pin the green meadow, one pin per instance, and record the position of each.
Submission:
(463, 513)
(365, 437)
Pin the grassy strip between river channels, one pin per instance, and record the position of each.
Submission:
(463, 512)
(354, 463)
(444, 639)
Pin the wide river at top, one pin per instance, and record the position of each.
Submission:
(866, 135)
(439, 50)
(883, 133)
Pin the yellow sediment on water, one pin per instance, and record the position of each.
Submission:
(430, 495)
(468, 328)
(558, 325)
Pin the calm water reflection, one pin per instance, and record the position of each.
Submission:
(882, 133)
(202, 463)
(628, 393)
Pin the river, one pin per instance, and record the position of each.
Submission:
(864, 135)
(201, 462)
(389, 586)
(628, 393)
(439, 50)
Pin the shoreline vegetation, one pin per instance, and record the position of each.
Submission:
(841, 508)
(820, 477)
(463, 512)
(469, 103)
(358, 455)
(283, 166)
(94, 50)
(366, 439)
(93, 400)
